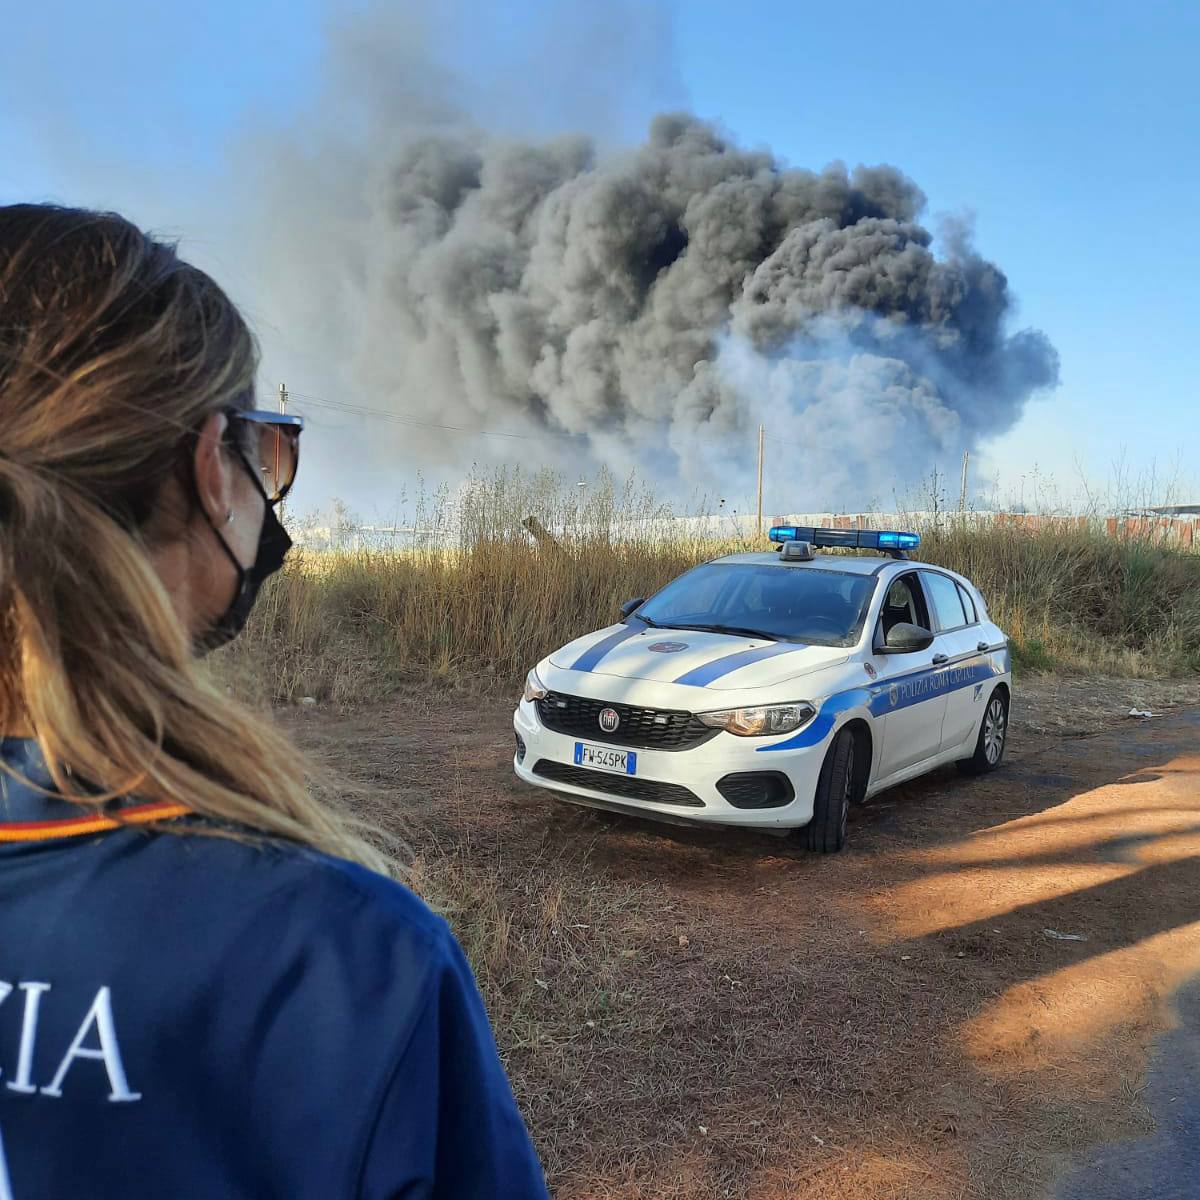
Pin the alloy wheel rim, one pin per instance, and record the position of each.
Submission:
(993, 731)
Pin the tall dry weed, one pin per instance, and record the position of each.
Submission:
(477, 597)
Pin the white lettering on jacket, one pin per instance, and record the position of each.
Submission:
(109, 1052)
(101, 1046)
(33, 995)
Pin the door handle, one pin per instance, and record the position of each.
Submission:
(938, 659)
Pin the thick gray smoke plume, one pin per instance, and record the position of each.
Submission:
(660, 301)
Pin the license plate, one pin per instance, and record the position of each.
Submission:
(605, 758)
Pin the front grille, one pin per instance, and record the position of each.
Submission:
(757, 789)
(647, 728)
(628, 786)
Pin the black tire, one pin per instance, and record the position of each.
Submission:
(826, 832)
(992, 739)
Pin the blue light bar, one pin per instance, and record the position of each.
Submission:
(786, 533)
(891, 540)
(851, 539)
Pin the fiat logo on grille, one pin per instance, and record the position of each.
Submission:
(609, 719)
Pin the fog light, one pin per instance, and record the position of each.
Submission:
(757, 789)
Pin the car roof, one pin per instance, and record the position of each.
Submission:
(853, 564)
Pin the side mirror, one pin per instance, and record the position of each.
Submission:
(631, 606)
(904, 638)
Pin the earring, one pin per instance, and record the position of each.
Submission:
(229, 519)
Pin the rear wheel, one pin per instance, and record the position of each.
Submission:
(993, 737)
(826, 832)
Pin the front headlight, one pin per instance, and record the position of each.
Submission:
(534, 688)
(758, 722)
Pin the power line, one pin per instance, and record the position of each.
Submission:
(363, 410)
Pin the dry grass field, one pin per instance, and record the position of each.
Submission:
(483, 601)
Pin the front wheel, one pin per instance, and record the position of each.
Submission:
(826, 832)
(993, 736)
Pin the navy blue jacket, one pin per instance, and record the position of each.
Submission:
(186, 1016)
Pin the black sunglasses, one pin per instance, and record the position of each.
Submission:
(278, 447)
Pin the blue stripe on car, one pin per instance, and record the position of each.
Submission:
(890, 695)
(907, 690)
(704, 675)
(593, 654)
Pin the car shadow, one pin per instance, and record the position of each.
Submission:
(944, 800)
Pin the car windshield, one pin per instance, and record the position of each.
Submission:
(814, 605)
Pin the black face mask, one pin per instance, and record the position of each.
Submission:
(273, 545)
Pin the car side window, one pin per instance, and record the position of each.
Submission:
(968, 603)
(947, 605)
(904, 602)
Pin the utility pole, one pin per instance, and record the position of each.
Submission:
(962, 491)
(760, 474)
(283, 399)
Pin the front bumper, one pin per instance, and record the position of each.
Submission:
(696, 772)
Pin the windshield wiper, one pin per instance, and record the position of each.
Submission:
(743, 630)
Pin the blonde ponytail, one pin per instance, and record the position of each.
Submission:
(112, 351)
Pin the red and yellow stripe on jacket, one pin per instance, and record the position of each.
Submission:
(137, 814)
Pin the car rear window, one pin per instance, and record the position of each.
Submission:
(947, 603)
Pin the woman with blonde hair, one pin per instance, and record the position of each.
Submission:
(207, 986)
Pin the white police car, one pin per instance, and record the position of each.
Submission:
(773, 689)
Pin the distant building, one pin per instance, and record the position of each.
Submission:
(1167, 510)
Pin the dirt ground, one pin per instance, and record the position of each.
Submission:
(958, 1005)
(1074, 707)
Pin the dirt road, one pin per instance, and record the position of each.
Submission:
(960, 1005)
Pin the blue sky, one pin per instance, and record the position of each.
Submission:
(1070, 132)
